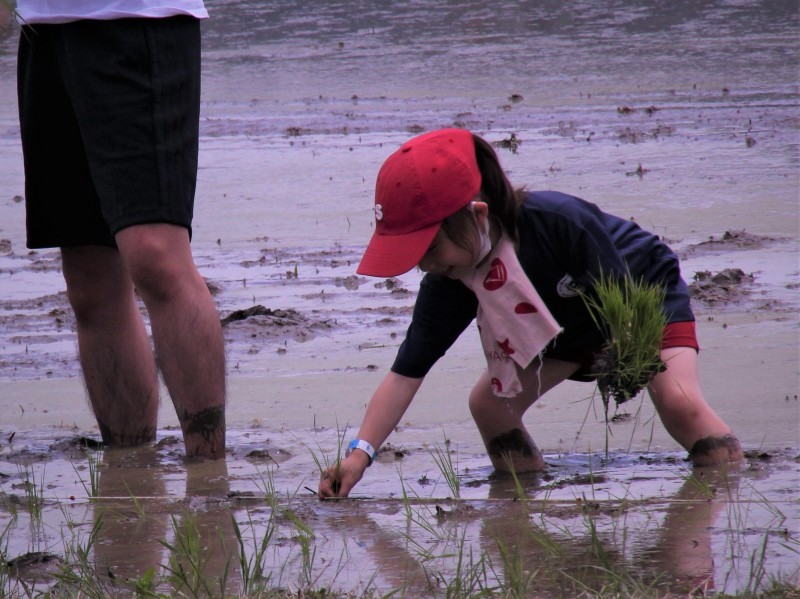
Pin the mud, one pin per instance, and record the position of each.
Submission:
(144, 496)
(681, 116)
(342, 302)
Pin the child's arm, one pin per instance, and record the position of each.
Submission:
(387, 406)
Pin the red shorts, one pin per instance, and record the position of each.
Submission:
(680, 334)
(676, 334)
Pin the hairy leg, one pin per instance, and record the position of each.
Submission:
(116, 357)
(682, 408)
(499, 419)
(186, 331)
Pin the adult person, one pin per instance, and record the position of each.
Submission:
(444, 204)
(109, 97)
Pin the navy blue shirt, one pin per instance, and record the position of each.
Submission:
(565, 244)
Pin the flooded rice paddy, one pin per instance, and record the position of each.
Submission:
(682, 116)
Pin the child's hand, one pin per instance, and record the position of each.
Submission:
(339, 479)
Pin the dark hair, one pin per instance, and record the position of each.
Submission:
(496, 189)
(498, 193)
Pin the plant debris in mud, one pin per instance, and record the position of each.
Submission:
(730, 240)
(511, 143)
(630, 315)
(725, 286)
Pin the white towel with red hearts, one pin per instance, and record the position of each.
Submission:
(513, 321)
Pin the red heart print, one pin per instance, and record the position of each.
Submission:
(496, 277)
(525, 308)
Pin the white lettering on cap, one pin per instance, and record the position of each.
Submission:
(378, 212)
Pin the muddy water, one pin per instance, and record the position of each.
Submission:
(301, 105)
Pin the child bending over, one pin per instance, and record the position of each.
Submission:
(520, 263)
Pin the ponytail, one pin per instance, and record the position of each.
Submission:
(496, 190)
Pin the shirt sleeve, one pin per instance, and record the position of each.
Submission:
(443, 310)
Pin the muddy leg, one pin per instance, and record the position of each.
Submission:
(679, 402)
(499, 420)
(516, 449)
(119, 369)
(713, 451)
(186, 331)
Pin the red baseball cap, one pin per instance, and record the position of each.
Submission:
(429, 178)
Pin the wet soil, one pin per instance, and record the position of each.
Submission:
(330, 301)
(654, 499)
(298, 114)
(672, 520)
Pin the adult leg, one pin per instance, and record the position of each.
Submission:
(186, 330)
(115, 353)
(499, 419)
(679, 402)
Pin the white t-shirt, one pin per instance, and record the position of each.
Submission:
(64, 11)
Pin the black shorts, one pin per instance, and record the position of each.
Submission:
(109, 116)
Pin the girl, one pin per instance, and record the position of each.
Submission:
(518, 262)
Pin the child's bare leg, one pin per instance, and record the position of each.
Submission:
(687, 417)
(499, 419)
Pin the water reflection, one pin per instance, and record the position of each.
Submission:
(162, 521)
(530, 541)
(130, 484)
(141, 529)
(664, 542)
(683, 545)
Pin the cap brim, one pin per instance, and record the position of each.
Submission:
(393, 255)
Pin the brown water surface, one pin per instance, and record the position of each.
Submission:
(682, 116)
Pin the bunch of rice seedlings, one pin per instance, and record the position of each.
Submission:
(631, 317)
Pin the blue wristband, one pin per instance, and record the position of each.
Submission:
(363, 446)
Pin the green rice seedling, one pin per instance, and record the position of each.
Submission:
(93, 488)
(305, 537)
(138, 504)
(638, 426)
(4, 574)
(779, 588)
(630, 315)
(320, 456)
(758, 571)
(34, 492)
(598, 548)
(79, 576)
(518, 578)
(412, 517)
(614, 586)
(470, 576)
(188, 559)
(518, 490)
(145, 587)
(700, 484)
(423, 546)
(266, 484)
(255, 578)
(444, 461)
(94, 474)
(535, 532)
